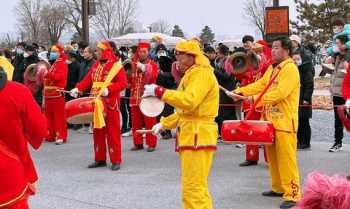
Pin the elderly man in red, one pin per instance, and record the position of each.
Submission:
(144, 71)
(55, 81)
(23, 123)
(106, 78)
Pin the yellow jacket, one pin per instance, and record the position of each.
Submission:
(7, 66)
(197, 103)
(281, 101)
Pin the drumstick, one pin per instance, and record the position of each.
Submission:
(223, 89)
(143, 131)
(68, 92)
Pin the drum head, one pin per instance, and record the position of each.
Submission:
(151, 106)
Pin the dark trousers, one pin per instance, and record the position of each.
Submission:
(304, 131)
(225, 113)
(338, 125)
(125, 111)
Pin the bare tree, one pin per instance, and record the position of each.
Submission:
(7, 40)
(126, 15)
(29, 18)
(255, 13)
(114, 17)
(73, 14)
(161, 26)
(54, 21)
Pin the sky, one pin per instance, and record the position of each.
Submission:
(225, 17)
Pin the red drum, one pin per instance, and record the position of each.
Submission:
(344, 117)
(80, 111)
(251, 132)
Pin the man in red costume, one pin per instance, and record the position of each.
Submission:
(144, 71)
(262, 54)
(97, 79)
(27, 125)
(55, 81)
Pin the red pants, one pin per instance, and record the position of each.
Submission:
(111, 133)
(140, 121)
(56, 118)
(252, 153)
(20, 204)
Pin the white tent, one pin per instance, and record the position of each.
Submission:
(134, 38)
(231, 43)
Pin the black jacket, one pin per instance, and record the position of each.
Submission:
(73, 75)
(165, 78)
(307, 73)
(18, 64)
(225, 79)
(85, 67)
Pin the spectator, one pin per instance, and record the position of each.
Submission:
(211, 54)
(87, 62)
(339, 29)
(306, 91)
(30, 56)
(341, 64)
(73, 72)
(18, 62)
(248, 42)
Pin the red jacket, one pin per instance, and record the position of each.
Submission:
(98, 73)
(56, 78)
(140, 79)
(346, 85)
(22, 123)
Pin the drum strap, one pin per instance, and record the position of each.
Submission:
(99, 121)
(273, 78)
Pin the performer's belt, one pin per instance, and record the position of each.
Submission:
(96, 86)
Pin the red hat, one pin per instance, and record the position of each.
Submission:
(58, 48)
(144, 45)
(107, 50)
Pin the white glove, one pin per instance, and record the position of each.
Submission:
(156, 129)
(74, 93)
(150, 90)
(347, 106)
(105, 93)
(141, 66)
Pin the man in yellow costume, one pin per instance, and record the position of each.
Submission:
(280, 106)
(197, 102)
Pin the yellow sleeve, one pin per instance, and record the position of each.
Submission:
(288, 80)
(8, 67)
(170, 122)
(254, 88)
(195, 91)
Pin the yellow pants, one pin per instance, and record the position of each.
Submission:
(195, 166)
(283, 166)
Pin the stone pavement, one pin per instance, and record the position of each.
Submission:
(152, 180)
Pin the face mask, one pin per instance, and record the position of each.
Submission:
(68, 62)
(53, 56)
(153, 45)
(19, 51)
(299, 62)
(162, 54)
(25, 55)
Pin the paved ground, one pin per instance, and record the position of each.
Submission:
(151, 180)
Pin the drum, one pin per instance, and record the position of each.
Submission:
(251, 132)
(344, 117)
(80, 111)
(151, 106)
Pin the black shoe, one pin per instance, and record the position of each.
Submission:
(166, 135)
(151, 149)
(304, 147)
(272, 194)
(288, 204)
(248, 163)
(97, 164)
(115, 167)
(336, 147)
(137, 147)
